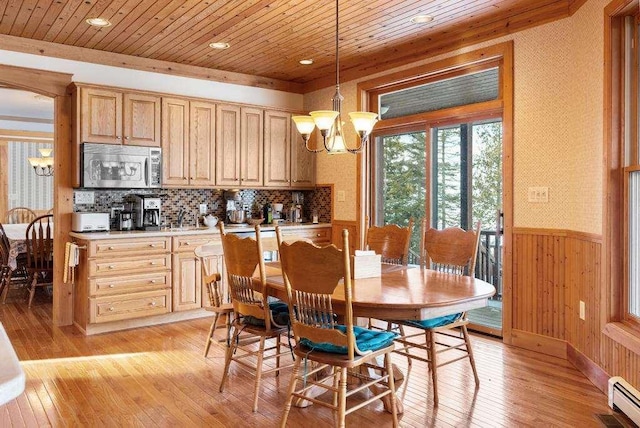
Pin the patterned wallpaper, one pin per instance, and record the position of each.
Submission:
(173, 200)
(558, 78)
(26, 189)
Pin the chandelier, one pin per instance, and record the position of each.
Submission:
(43, 166)
(329, 122)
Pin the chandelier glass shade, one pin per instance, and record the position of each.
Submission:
(42, 166)
(329, 122)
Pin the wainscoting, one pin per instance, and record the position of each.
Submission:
(553, 270)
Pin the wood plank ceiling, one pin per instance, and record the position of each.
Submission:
(269, 37)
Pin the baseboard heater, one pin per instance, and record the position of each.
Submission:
(624, 397)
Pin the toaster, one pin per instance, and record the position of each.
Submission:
(90, 222)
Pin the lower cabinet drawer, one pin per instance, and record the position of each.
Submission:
(149, 263)
(103, 286)
(317, 235)
(126, 306)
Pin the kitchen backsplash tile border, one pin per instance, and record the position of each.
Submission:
(317, 200)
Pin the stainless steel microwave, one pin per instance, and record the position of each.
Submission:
(117, 166)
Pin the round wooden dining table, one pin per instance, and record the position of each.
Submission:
(402, 293)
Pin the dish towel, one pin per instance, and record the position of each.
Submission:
(71, 256)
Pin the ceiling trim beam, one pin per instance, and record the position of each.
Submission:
(26, 136)
(36, 47)
(444, 42)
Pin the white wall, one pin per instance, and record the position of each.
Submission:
(143, 80)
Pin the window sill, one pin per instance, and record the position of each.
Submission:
(624, 334)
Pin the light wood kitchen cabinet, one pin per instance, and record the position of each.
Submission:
(303, 162)
(122, 279)
(318, 235)
(239, 146)
(188, 288)
(202, 143)
(188, 142)
(117, 117)
(287, 163)
(277, 149)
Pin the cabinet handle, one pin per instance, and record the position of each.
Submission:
(187, 243)
(111, 309)
(153, 281)
(110, 248)
(126, 138)
(111, 285)
(184, 178)
(153, 303)
(152, 263)
(152, 245)
(112, 267)
(191, 178)
(295, 181)
(118, 137)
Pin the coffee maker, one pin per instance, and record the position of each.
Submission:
(147, 210)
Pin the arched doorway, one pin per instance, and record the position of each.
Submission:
(55, 85)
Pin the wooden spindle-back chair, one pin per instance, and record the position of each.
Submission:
(311, 275)
(39, 253)
(451, 250)
(19, 215)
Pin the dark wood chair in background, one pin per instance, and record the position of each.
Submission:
(10, 275)
(452, 250)
(255, 318)
(39, 253)
(20, 215)
(311, 274)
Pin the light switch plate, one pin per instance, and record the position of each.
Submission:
(538, 194)
(203, 209)
(84, 197)
(341, 196)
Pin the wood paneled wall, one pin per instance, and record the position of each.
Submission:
(553, 270)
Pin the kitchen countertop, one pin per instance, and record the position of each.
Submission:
(12, 378)
(188, 230)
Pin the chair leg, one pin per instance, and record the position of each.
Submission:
(32, 291)
(342, 398)
(278, 345)
(394, 408)
(228, 356)
(292, 387)
(467, 342)
(433, 364)
(256, 390)
(7, 285)
(212, 330)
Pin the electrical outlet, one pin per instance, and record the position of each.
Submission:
(582, 310)
(84, 198)
(203, 209)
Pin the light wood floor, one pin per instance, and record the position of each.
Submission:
(157, 376)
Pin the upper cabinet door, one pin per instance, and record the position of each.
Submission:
(175, 142)
(141, 120)
(100, 116)
(228, 145)
(277, 145)
(303, 162)
(252, 146)
(202, 118)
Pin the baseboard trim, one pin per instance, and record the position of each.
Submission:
(537, 343)
(591, 370)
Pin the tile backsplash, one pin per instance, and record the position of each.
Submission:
(318, 200)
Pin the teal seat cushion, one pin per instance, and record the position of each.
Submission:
(434, 322)
(366, 340)
(279, 315)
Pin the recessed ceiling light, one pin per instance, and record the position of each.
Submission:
(422, 19)
(306, 61)
(99, 22)
(219, 45)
